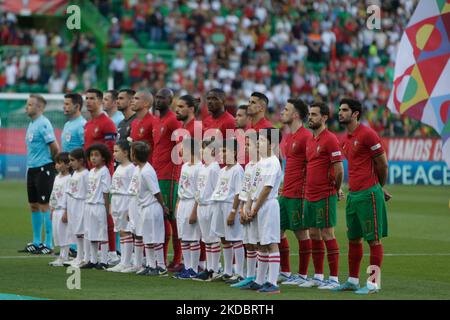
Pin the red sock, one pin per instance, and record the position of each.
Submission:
(333, 256)
(284, 255)
(355, 255)
(176, 243)
(318, 255)
(111, 234)
(304, 253)
(376, 255)
(167, 234)
(202, 251)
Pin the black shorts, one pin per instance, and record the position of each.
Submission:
(40, 183)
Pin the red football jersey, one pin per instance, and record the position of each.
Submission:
(163, 145)
(360, 148)
(222, 123)
(295, 171)
(101, 130)
(264, 123)
(321, 152)
(142, 130)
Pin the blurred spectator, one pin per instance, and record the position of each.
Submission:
(56, 83)
(32, 65)
(134, 70)
(117, 67)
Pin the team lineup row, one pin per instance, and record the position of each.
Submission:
(203, 203)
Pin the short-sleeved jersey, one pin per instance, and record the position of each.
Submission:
(249, 176)
(124, 127)
(99, 183)
(72, 136)
(360, 148)
(117, 117)
(321, 152)
(78, 185)
(142, 130)
(188, 181)
(121, 179)
(229, 183)
(58, 198)
(222, 123)
(295, 170)
(38, 137)
(206, 183)
(162, 138)
(148, 186)
(267, 174)
(100, 130)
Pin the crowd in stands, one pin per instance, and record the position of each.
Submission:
(312, 49)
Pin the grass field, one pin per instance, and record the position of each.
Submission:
(416, 264)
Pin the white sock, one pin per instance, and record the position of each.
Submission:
(159, 254)
(215, 256)
(150, 256)
(252, 256)
(64, 253)
(318, 276)
(335, 279)
(138, 253)
(228, 258)
(94, 252)
(274, 267)
(354, 281)
(263, 265)
(208, 257)
(239, 254)
(127, 249)
(186, 251)
(87, 250)
(104, 248)
(80, 249)
(202, 264)
(195, 255)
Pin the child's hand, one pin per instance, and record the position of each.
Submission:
(193, 218)
(166, 211)
(230, 219)
(64, 217)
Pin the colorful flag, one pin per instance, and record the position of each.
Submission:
(421, 88)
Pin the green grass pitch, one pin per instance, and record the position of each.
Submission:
(415, 265)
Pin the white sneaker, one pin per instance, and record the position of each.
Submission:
(283, 277)
(329, 285)
(117, 268)
(130, 269)
(295, 280)
(216, 276)
(113, 258)
(57, 263)
(311, 283)
(141, 269)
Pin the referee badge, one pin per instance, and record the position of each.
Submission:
(30, 137)
(68, 136)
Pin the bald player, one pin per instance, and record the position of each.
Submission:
(166, 170)
(142, 126)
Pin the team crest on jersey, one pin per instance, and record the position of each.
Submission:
(318, 149)
(96, 130)
(141, 131)
(355, 143)
(293, 146)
